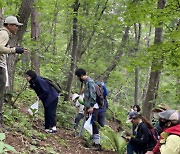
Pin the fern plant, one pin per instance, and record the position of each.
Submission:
(110, 137)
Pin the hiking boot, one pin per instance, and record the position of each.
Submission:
(97, 147)
(52, 131)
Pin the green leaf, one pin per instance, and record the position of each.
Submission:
(1, 147)
(10, 148)
(2, 136)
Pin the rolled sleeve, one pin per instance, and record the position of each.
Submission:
(4, 38)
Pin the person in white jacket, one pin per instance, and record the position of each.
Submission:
(77, 100)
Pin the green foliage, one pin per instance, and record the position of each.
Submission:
(112, 140)
(54, 48)
(65, 114)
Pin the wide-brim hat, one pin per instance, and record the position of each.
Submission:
(12, 20)
(160, 107)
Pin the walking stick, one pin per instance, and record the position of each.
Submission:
(82, 126)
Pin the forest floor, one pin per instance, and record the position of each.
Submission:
(62, 142)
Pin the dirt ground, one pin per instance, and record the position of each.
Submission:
(62, 142)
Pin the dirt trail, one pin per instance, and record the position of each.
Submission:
(62, 142)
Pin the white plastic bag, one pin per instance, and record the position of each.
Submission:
(88, 125)
(34, 108)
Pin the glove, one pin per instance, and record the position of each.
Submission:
(19, 50)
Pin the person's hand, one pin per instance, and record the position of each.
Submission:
(26, 50)
(20, 50)
(149, 152)
(128, 138)
(90, 110)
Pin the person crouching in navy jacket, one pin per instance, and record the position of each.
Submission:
(49, 97)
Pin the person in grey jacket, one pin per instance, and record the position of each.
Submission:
(10, 27)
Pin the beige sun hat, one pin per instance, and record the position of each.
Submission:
(12, 20)
(74, 96)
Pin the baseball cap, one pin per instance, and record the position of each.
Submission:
(160, 107)
(170, 115)
(12, 20)
(132, 115)
(74, 96)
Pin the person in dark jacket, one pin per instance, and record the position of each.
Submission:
(49, 97)
(139, 142)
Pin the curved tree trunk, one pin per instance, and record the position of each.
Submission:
(117, 57)
(155, 73)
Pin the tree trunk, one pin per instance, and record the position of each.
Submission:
(23, 15)
(117, 57)
(74, 51)
(155, 73)
(137, 39)
(35, 60)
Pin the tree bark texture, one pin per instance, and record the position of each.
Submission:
(35, 60)
(23, 16)
(155, 73)
(74, 51)
(137, 41)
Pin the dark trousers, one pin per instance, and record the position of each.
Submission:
(79, 116)
(50, 114)
(131, 148)
(2, 88)
(98, 118)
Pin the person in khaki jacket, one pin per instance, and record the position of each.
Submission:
(10, 27)
(170, 141)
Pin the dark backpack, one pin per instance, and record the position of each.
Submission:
(153, 139)
(99, 94)
(54, 84)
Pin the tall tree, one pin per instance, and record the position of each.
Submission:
(156, 68)
(35, 60)
(137, 30)
(23, 16)
(74, 52)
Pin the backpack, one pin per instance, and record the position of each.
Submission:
(153, 139)
(99, 94)
(154, 134)
(54, 84)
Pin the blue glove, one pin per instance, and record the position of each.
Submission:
(19, 50)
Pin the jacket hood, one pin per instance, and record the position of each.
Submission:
(174, 130)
